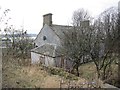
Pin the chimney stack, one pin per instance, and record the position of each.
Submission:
(47, 19)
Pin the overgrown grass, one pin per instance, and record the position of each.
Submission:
(87, 71)
(18, 75)
(61, 72)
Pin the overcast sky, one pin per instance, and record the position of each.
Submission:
(29, 13)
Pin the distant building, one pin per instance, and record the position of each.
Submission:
(5, 42)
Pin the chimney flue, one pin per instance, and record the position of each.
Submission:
(47, 19)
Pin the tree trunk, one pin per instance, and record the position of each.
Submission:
(119, 70)
(77, 69)
(104, 73)
(98, 72)
(118, 47)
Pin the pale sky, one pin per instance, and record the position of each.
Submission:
(29, 13)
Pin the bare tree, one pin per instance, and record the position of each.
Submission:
(118, 40)
(97, 41)
(79, 16)
(3, 16)
(102, 52)
(75, 44)
(20, 41)
(76, 40)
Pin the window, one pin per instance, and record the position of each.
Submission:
(44, 38)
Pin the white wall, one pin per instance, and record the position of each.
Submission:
(35, 57)
(51, 37)
(46, 60)
(49, 61)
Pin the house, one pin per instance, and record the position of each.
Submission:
(48, 44)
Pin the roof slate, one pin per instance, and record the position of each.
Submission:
(60, 30)
(49, 50)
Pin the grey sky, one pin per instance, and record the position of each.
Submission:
(28, 13)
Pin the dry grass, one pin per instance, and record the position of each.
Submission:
(16, 75)
(88, 71)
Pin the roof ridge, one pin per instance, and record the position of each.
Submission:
(61, 25)
(58, 29)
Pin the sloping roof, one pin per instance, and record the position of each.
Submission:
(49, 50)
(61, 29)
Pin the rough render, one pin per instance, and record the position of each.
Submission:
(51, 37)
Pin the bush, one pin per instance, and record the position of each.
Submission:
(60, 72)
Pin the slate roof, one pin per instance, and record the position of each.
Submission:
(49, 50)
(61, 29)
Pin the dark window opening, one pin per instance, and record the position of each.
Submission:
(44, 38)
(36, 46)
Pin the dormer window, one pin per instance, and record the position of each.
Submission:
(44, 38)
